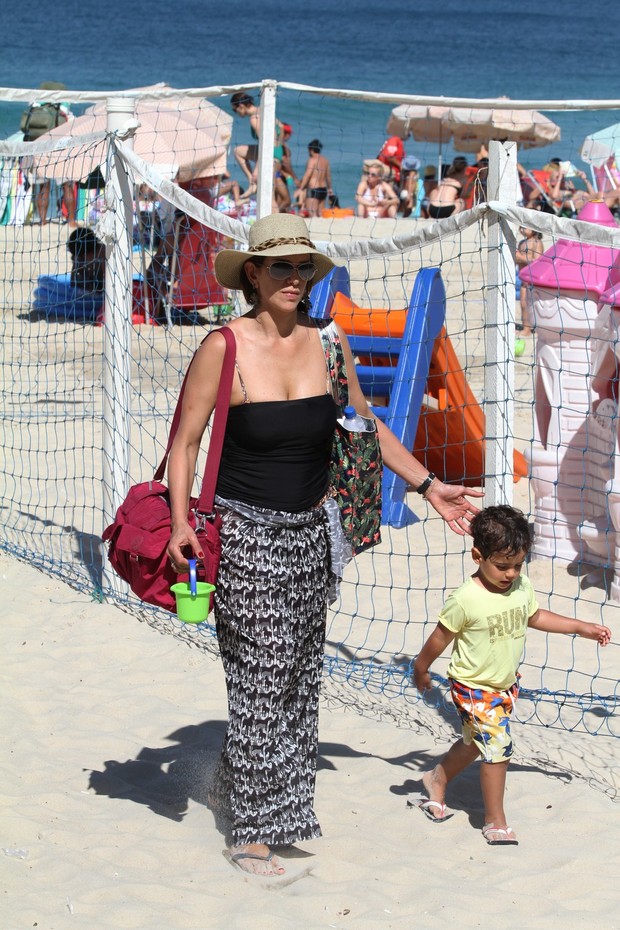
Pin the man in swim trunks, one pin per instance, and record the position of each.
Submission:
(316, 183)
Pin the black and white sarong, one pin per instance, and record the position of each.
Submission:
(271, 597)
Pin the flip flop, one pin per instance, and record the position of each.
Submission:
(237, 856)
(237, 859)
(498, 836)
(427, 807)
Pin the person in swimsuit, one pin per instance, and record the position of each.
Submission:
(247, 155)
(280, 531)
(528, 250)
(316, 183)
(447, 198)
(375, 197)
(288, 172)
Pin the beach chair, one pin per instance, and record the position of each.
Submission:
(411, 376)
(538, 179)
(193, 285)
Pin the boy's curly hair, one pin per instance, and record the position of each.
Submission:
(501, 529)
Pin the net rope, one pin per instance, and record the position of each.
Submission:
(53, 426)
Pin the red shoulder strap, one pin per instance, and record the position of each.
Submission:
(222, 403)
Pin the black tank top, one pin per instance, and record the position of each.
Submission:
(276, 453)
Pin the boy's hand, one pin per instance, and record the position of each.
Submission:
(596, 631)
(422, 678)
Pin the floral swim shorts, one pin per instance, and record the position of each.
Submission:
(485, 716)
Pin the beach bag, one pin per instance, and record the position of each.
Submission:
(39, 118)
(356, 465)
(138, 538)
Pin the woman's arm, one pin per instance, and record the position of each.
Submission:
(450, 501)
(255, 122)
(361, 189)
(198, 403)
(389, 192)
(586, 180)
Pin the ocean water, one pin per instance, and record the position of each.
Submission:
(528, 49)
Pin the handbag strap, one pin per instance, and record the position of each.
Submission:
(336, 365)
(216, 443)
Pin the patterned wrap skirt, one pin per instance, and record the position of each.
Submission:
(270, 607)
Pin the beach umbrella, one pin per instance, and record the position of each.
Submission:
(467, 128)
(184, 137)
(601, 146)
(601, 150)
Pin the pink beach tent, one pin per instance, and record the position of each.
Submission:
(577, 266)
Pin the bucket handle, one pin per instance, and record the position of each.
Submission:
(193, 589)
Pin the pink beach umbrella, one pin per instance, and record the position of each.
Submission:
(468, 128)
(184, 137)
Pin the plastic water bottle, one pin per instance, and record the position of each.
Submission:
(356, 423)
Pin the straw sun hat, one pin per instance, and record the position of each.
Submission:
(278, 235)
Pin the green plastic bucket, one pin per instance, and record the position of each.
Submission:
(192, 608)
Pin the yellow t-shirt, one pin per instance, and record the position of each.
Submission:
(490, 632)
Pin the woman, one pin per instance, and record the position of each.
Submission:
(375, 197)
(247, 155)
(447, 198)
(273, 497)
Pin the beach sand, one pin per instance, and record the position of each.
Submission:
(112, 729)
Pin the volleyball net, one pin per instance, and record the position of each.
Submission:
(92, 368)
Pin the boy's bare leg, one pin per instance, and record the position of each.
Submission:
(458, 757)
(493, 784)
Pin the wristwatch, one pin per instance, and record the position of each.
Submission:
(426, 483)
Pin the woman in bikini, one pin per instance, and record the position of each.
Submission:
(447, 198)
(247, 155)
(375, 197)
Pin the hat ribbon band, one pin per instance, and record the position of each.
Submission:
(272, 243)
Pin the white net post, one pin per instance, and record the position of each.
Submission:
(117, 333)
(264, 197)
(500, 330)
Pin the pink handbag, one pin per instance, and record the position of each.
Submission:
(139, 536)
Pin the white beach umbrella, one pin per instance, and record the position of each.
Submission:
(601, 150)
(599, 147)
(185, 137)
(468, 128)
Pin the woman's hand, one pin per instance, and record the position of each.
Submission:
(183, 537)
(450, 502)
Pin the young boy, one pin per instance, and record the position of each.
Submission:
(486, 619)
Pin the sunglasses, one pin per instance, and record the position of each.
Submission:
(280, 271)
